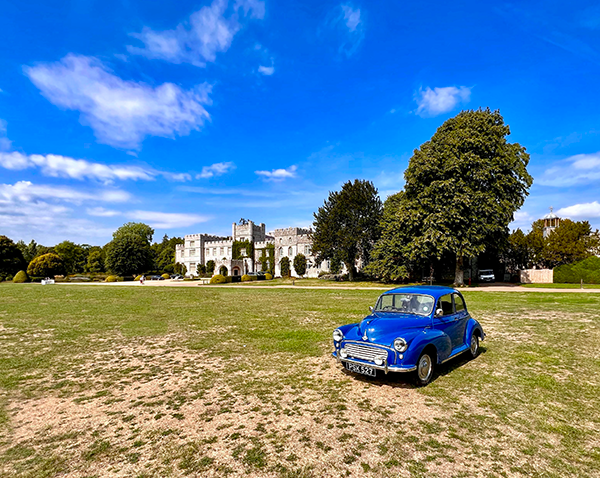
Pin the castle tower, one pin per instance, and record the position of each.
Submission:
(551, 222)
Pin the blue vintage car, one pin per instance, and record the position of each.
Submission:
(411, 329)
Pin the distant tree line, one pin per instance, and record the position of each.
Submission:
(130, 252)
(461, 191)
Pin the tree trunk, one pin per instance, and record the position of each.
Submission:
(458, 272)
(351, 271)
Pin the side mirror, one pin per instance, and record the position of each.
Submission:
(371, 308)
(439, 312)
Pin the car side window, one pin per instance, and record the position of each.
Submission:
(459, 303)
(445, 303)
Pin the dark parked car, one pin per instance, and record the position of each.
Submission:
(410, 329)
(157, 278)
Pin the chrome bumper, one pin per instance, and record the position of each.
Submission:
(385, 367)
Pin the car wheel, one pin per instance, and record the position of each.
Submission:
(474, 345)
(424, 369)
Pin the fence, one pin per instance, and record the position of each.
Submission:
(537, 276)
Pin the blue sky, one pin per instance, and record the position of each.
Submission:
(191, 115)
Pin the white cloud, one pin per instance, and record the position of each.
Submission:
(351, 16)
(216, 169)
(121, 113)
(581, 211)
(165, 220)
(101, 212)
(26, 191)
(348, 24)
(199, 39)
(58, 166)
(578, 169)
(4, 141)
(266, 70)
(278, 174)
(441, 100)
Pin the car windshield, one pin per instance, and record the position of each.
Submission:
(406, 303)
(486, 272)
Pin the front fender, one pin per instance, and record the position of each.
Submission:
(437, 338)
(473, 326)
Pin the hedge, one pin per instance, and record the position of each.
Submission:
(21, 277)
(218, 279)
(268, 276)
(111, 279)
(166, 276)
(587, 270)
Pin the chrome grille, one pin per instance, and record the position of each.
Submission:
(364, 352)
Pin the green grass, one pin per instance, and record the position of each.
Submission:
(227, 381)
(561, 286)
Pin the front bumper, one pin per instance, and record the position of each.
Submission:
(385, 367)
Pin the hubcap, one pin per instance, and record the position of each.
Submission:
(424, 369)
(474, 345)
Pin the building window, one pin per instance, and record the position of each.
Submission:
(208, 252)
(307, 250)
(192, 267)
(281, 252)
(192, 243)
(192, 252)
(290, 252)
(221, 251)
(214, 251)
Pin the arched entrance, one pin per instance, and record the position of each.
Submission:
(223, 271)
(236, 271)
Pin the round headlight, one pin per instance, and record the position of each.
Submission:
(337, 335)
(400, 344)
(343, 353)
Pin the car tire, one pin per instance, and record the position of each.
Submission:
(474, 345)
(424, 372)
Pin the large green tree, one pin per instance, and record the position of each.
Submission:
(348, 224)
(73, 255)
(462, 189)
(136, 228)
(570, 242)
(128, 254)
(11, 257)
(29, 250)
(95, 260)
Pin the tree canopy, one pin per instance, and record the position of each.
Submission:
(348, 224)
(300, 264)
(46, 265)
(136, 228)
(73, 255)
(462, 189)
(11, 257)
(128, 254)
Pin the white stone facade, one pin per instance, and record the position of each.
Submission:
(288, 242)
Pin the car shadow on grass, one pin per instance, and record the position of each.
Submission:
(406, 380)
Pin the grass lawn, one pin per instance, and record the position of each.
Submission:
(561, 286)
(315, 283)
(157, 382)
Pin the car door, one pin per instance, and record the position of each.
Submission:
(461, 317)
(447, 322)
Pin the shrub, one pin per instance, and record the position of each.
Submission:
(268, 276)
(210, 267)
(229, 279)
(218, 279)
(46, 265)
(21, 277)
(285, 266)
(166, 276)
(111, 279)
(587, 270)
(246, 278)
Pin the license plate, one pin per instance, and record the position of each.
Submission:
(353, 367)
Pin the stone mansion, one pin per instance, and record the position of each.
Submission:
(265, 248)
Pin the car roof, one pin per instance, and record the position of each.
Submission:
(433, 290)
